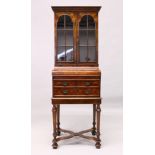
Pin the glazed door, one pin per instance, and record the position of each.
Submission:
(87, 40)
(76, 39)
(64, 36)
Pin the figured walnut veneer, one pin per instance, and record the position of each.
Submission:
(75, 82)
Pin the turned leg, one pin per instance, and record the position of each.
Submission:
(94, 120)
(54, 111)
(58, 119)
(98, 141)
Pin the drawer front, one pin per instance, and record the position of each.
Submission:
(88, 91)
(88, 83)
(64, 83)
(81, 82)
(76, 86)
(62, 91)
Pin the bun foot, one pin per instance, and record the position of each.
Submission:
(98, 145)
(54, 145)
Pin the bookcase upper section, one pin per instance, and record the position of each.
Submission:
(76, 36)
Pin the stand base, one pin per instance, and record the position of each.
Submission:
(73, 134)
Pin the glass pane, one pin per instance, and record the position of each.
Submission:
(91, 38)
(83, 54)
(83, 22)
(91, 23)
(69, 23)
(60, 23)
(69, 38)
(61, 38)
(83, 37)
(61, 54)
(69, 53)
(92, 54)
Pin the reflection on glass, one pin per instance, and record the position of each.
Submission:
(91, 37)
(61, 54)
(83, 37)
(83, 54)
(92, 54)
(69, 38)
(69, 53)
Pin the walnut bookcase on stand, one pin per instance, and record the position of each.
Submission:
(76, 77)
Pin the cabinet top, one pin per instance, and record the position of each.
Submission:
(75, 8)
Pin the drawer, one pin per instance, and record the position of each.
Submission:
(88, 83)
(77, 82)
(76, 91)
(89, 91)
(63, 83)
(62, 91)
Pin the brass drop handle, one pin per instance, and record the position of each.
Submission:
(65, 83)
(65, 91)
(87, 83)
(87, 91)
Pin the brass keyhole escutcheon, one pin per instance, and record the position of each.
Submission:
(87, 92)
(87, 83)
(65, 91)
(65, 83)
